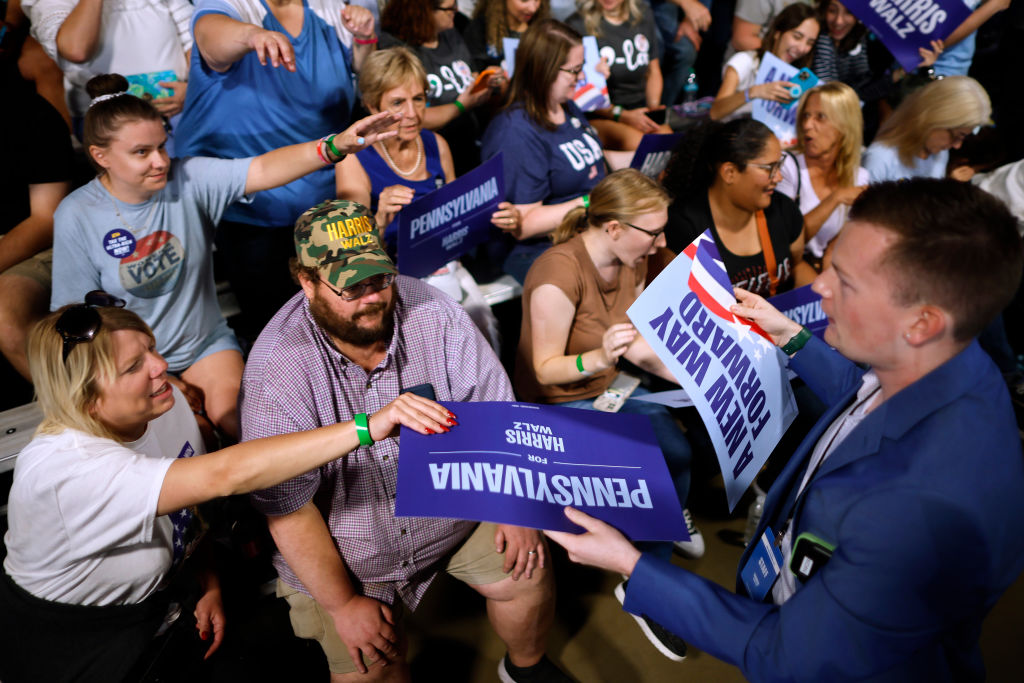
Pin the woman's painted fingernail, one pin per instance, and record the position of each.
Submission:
(205, 635)
(443, 428)
(430, 431)
(452, 422)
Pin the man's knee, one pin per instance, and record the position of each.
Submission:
(23, 302)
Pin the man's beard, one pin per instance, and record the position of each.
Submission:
(348, 330)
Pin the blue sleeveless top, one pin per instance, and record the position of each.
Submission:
(382, 175)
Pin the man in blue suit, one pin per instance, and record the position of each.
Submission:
(902, 513)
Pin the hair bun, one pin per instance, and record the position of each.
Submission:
(106, 84)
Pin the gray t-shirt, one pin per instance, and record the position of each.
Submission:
(629, 49)
(156, 256)
(761, 12)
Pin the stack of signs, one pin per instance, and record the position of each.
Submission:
(591, 91)
(520, 463)
(776, 115)
(728, 366)
(903, 26)
(445, 224)
(653, 153)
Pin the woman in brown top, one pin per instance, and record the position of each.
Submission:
(574, 313)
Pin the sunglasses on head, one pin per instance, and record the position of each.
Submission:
(81, 322)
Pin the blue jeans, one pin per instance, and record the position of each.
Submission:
(674, 447)
(677, 57)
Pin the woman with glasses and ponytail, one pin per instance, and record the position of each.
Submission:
(575, 327)
(723, 176)
(101, 512)
(143, 229)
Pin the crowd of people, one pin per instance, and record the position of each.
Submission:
(146, 141)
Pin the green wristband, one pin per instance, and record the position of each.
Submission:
(579, 363)
(334, 150)
(586, 201)
(460, 106)
(616, 112)
(797, 342)
(363, 429)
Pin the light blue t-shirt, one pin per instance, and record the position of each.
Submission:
(883, 163)
(956, 60)
(161, 265)
(251, 109)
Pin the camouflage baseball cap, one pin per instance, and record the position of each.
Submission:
(340, 238)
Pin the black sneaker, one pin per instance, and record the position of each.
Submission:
(543, 671)
(668, 643)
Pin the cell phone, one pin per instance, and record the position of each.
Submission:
(810, 554)
(617, 392)
(658, 116)
(144, 86)
(424, 390)
(803, 81)
(483, 78)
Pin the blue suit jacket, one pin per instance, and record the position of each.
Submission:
(924, 501)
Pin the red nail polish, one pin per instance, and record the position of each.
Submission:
(452, 422)
(205, 635)
(430, 431)
(451, 415)
(444, 428)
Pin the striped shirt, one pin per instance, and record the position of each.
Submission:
(296, 380)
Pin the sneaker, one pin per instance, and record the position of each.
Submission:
(668, 644)
(694, 548)
(544, 671)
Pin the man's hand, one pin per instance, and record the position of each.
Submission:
(753, 307)
(415, 412)
(524, 549)
(601, 546)
(367, 629)
(169, 106)
(210, 619)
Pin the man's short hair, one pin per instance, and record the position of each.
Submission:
(957, 247)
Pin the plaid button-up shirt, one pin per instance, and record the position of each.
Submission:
(296, 380)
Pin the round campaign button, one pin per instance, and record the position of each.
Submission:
(119, 243)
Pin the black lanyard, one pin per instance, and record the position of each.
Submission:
(817, 466)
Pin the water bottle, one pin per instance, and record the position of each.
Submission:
(753, 518)
(690, 88)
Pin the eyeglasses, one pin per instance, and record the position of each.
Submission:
(772, 168)
(575, 71)
(959, 136)
(361, 289)
(81, 322)
(451, 9)
(653, 233)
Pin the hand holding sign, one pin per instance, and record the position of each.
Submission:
(754, 308)
(507, 218)
(601, 546)
(415, 412)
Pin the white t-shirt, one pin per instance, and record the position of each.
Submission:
(883, 163)
(745, 64)
(809, 200)
(136, 37)
(82, 512)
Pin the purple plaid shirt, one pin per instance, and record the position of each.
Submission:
(296, 380)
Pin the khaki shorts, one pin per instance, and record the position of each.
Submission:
(38, 268)
(474, 563)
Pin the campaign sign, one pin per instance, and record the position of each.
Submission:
(727, 365)
(653, 153)
(521, 463)
(448, 222)
(776, 115)
(591, 90)
(802, 305)
(903, 26)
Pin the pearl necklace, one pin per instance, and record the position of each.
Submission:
(391, 162)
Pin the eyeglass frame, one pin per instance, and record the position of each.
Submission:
(772, 168)
(957, 138)
(647, 232)
(92, 322)
(574, 72)
(453, 9)
(363, 285)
